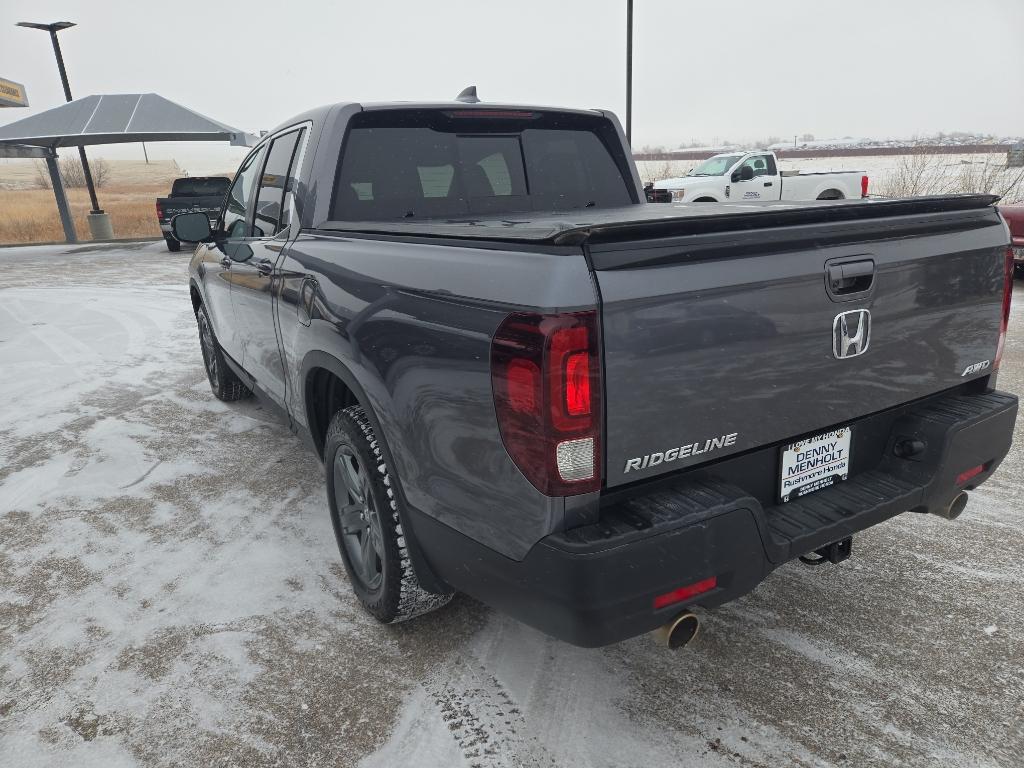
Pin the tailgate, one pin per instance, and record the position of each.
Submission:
(720, 342)
(172, 206)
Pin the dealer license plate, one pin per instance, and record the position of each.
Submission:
(815, 463)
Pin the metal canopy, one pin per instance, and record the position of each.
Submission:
(116, 119)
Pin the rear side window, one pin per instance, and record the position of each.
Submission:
(424, 164)
(270, 216)
(237, 203)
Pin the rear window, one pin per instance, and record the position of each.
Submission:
(430, 164)
(213, 186)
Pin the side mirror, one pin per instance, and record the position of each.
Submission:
(191, 227)
(746, 173)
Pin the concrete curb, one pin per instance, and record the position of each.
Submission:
(80, 243)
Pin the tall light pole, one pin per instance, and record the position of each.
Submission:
(629, 72)
(53, 29)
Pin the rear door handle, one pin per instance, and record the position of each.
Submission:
(265, 267)
(768, 183)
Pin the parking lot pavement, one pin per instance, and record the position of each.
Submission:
(171, 594)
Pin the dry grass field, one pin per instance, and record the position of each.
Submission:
(28, 214)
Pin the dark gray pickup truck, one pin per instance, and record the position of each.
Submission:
(593, 413)
(191, 194)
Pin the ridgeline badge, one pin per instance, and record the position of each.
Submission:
(682, 452)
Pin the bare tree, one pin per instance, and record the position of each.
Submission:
(73, 176)
(918, 173)
(991, 176)
(42, 180)
(71, 173)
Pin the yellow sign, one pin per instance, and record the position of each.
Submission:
(12, 94)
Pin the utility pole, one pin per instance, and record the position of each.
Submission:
(629, 73)
(53, 29)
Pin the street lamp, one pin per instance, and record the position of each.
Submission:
(53, 29)
(629, 73)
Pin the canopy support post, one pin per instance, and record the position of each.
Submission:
(62, 199)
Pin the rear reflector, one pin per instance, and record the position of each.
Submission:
(967, 474)
(685, 593)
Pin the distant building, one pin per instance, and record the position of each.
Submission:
(1015, 156)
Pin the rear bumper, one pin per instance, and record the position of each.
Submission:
(1018, 249)
(596, 585)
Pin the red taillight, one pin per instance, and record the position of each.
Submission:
(864, 186)
(159, 211)
(577, 384)
(967, 474)
(685, 593)
(1004, 322)
(545, 376)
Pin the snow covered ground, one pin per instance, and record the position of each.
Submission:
(171, 594)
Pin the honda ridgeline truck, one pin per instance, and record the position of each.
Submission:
(593, 413)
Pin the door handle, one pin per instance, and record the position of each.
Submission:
(226, 262)
(851, 277)
(265, 267)
(768, 183)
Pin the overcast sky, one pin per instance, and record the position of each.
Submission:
(702, 70)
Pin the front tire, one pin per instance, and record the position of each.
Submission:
(224, 382)
(367, 524)
(172, 245)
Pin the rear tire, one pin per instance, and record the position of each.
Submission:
(367, 523)
(224, 382)
(172, 245)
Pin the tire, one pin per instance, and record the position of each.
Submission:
(224, 382)
(172, 245)
(367, 524)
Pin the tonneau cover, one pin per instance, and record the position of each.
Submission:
(657, 219)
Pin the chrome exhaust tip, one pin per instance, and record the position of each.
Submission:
(678, 632)
(954, 508)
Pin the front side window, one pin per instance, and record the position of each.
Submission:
(763, 165)
(270, 216)
(237, 202)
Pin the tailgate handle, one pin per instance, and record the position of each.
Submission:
(852, 277)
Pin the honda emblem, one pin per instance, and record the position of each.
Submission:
(851, 333)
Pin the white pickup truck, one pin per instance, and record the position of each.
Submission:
(755, 176)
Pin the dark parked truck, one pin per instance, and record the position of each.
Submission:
(594, 413)
(194, 194)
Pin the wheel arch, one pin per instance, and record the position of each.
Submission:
(705, 199)
(326, 382)
(831, 193)
(196, 295)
